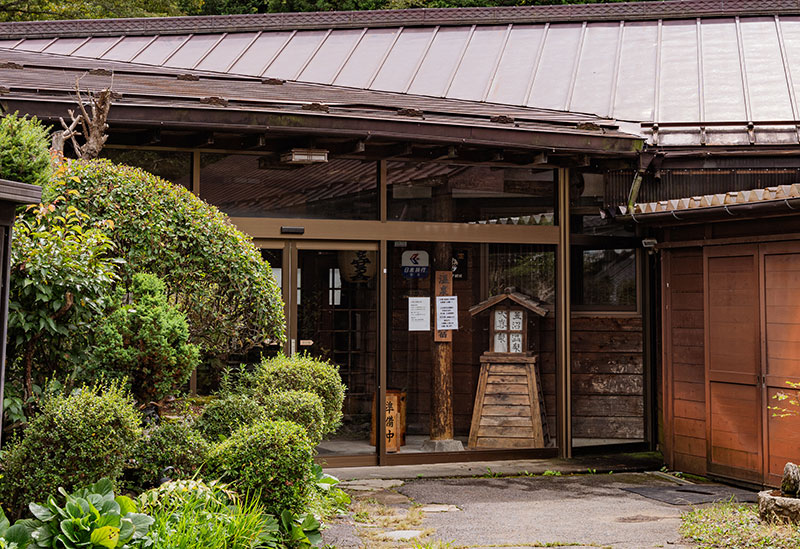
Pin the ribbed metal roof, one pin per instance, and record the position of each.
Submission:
(719, 73)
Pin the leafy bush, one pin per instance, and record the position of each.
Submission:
(194, 515)
(304, 373)
(61, 277)
(222, 417)
(175, 445)
(90, 517)
(24, 150)
(144, 340)
(74, 440)
(301, 407)
(211, 270)
(269, 459)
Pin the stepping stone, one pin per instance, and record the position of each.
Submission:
(439, 508)
(367, 484)
(402, 535)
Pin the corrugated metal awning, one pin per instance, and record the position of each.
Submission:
(705, 80)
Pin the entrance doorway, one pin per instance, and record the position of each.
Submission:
(330, 292)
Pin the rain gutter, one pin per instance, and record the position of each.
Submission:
(784, 206)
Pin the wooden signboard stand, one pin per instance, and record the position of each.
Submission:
(509, 405)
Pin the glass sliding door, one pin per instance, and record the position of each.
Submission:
(333, 315)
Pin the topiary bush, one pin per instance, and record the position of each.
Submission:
(24, 150)
(269, 459)
(144, 340)
(212, 271)
(301, 407)
(303, 372)
(169, 444)
(222, 417)
(73, 441)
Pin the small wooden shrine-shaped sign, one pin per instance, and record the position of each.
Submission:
(509, 407)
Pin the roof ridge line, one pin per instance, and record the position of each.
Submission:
(628, 11)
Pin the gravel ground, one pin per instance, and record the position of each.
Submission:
(580, 511)
(588, 509)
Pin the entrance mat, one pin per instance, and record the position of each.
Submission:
(693, 494)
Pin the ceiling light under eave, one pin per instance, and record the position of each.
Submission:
(305, 156)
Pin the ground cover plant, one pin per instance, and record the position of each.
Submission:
(734, 524)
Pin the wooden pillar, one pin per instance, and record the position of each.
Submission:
(196, 190)
(442, 375)
(563, 313)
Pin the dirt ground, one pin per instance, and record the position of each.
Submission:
(589, 510)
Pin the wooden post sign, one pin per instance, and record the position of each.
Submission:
(444, 287)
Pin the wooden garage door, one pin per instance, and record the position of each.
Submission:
(781, 324)
(733, 363)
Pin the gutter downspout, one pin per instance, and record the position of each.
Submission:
(645, 159)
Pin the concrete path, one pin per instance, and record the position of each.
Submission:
(590, 510)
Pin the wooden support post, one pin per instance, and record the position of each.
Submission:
(442, 374)
(442, 378)
(563, 321)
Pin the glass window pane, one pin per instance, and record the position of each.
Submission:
(468, 194)
(172, 166)
(258, 186)
(605, 279)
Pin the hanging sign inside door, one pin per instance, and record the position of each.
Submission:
(419, 314)
(415, 264)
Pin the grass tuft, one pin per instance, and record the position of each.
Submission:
(736, 525)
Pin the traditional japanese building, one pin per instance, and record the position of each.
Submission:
(398, 168)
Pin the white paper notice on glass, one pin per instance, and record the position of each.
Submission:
(446, 312)
(419, 314)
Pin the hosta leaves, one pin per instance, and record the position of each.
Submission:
(107, 536)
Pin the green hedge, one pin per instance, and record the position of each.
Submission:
(269, 459)
(304, 373)
(170, 444)
(72, 442)
(24, 150)
(222, 417)
(212, 271)
(144, 340)
(301, 407)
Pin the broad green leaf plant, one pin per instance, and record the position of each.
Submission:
(89, 517)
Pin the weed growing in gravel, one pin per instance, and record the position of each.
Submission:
(736, 525)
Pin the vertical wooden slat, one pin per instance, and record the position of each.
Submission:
(563, 361)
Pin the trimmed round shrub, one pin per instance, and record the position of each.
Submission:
(222, 417)
(72, 442)
(303, 372)
(270, 459)
(301, 407)
(24, 150)
(212, 271)
(173, 444)
(145, 340)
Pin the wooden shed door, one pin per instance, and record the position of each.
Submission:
(781, 326)
(733, 362)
